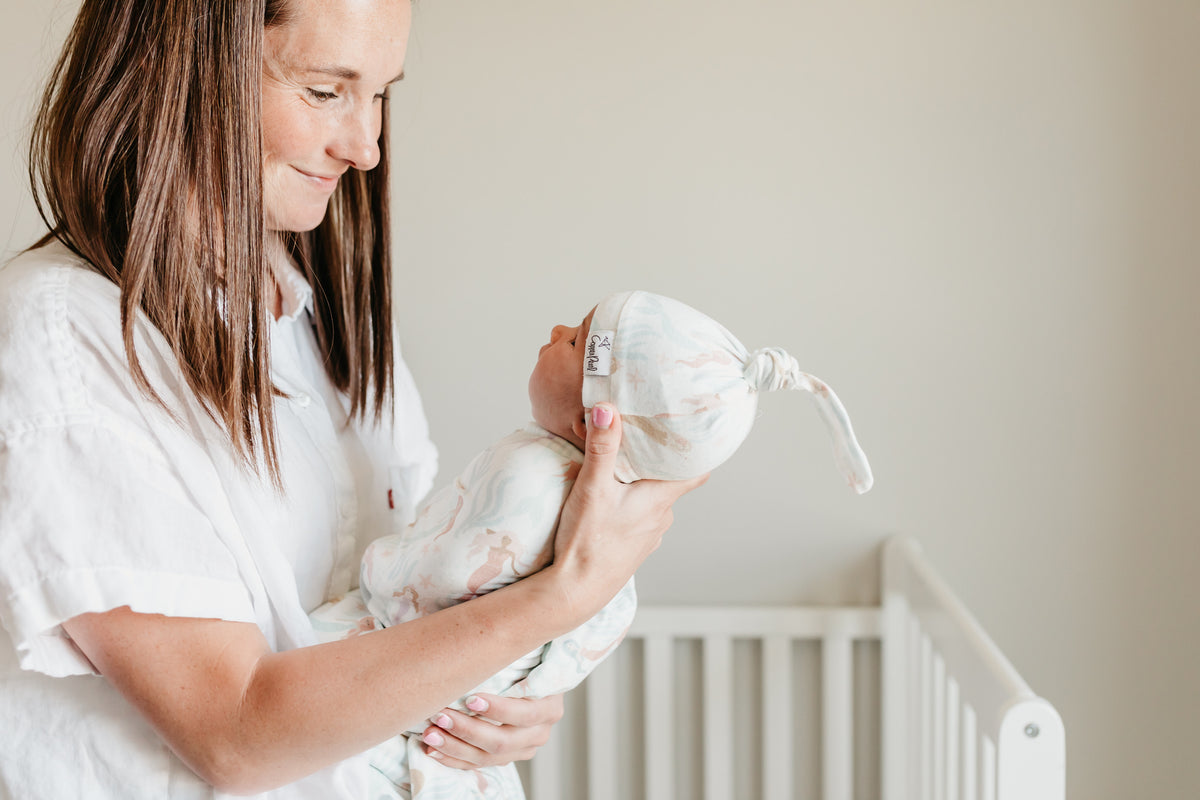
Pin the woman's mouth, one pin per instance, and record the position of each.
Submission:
(325, 182)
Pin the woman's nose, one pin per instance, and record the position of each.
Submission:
(357, 140)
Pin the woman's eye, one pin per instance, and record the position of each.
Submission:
(317, 94)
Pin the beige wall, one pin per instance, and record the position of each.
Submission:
(977, 221)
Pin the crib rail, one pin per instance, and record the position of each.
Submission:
(960, 723)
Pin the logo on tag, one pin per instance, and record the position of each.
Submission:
(597, 358)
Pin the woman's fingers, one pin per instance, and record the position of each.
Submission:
(508, 730)
(665, 493)
(602, 444)
(683, 487)
(608, 528)
(519, 712)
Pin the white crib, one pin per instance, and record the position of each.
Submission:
(909, 700)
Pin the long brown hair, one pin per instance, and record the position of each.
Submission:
(146, 161)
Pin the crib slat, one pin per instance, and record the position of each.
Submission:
(659, 730)
(969, 749)
(602, 731)
(777, 718)
(718, 717)
(926, 706)
(912, 741)
(545, 774)
(953, 713)
(837, 730)
(939, 728)
(987, 768)
(895, 696)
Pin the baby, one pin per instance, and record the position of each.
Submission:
(687, 391)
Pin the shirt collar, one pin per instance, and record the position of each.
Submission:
(295, 290)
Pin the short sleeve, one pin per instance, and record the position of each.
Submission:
(92, 522)
(94, 514)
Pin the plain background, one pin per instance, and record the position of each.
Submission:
(977, 221)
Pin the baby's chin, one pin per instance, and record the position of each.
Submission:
(558, 428)
(555, 429)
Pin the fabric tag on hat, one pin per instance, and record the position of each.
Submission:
(597, 358)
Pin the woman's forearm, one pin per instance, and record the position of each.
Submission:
(247, 719)
(330, 701)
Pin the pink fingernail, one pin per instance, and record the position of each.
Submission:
(443, 721)
(434, 739)
(602, 417)
(477, 704)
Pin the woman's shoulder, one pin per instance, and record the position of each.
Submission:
(42, 261)
(57, 314)
(41, 286)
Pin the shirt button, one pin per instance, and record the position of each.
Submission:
(303, 400)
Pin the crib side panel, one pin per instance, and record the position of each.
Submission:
(911, 701)
(711, 703)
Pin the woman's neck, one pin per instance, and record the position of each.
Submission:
(276, 257)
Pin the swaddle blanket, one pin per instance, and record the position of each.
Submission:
(493, 525)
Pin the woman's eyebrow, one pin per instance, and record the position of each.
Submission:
(347, 73)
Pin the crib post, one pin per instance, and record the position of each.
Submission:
(981, 731)
(1031, 761)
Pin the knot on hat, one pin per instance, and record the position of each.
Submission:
(771, 369)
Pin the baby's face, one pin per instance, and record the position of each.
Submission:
(556, 385)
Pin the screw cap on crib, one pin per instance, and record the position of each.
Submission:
(687, 389)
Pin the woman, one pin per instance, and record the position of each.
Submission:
(203, 420)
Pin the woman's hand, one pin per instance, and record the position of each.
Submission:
(606, 531)
(505, 730)
(608, 528)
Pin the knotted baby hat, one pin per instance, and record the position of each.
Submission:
(687, 389)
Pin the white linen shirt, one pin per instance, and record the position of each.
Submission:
(107, 501)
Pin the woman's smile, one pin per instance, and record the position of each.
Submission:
(326, 183)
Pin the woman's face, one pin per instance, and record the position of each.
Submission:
(326, 71)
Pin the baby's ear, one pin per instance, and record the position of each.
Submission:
(579, 426)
